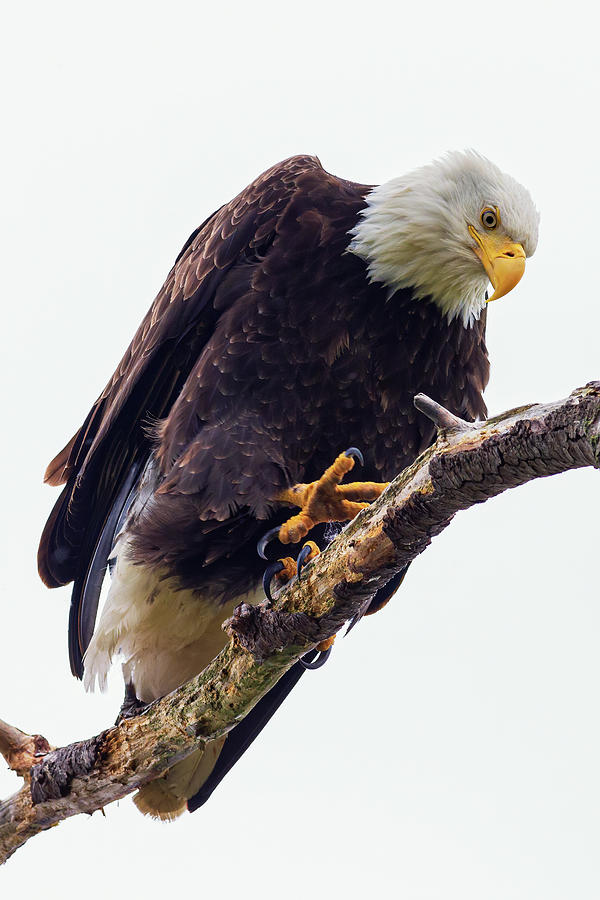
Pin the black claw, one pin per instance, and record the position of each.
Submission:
(270, 573)
(356, 454)
(266, 539)
(318, 662)
(302, 557)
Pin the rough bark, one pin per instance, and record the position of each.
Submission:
(468, 464)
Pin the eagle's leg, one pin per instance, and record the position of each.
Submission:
(131, 706)
(327, 500)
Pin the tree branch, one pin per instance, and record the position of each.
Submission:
(468, 464)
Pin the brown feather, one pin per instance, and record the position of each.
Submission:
(264, 354)
(57, 471)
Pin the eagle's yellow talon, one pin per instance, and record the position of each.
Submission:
(326, 644)
(308, 553)
(326, 500)
(288, 571)
(314, 551)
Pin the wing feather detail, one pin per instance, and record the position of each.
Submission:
(96, 464)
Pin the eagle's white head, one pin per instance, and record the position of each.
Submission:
(446, 230)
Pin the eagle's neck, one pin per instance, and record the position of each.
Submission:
(409, 239)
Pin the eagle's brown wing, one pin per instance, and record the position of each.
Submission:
(161, 354)
(101, 463)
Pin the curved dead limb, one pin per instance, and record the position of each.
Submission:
(467, 465)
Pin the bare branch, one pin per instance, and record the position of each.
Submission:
(21, 751)
(468, 464)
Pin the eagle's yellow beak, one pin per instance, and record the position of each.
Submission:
(503, 260)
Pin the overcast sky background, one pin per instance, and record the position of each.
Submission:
(450, 748)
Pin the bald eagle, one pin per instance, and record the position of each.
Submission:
(300, 318)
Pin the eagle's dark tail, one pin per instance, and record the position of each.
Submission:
(242, 736)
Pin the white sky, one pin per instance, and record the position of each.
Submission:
(450, 748)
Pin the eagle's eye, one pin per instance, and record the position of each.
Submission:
(489, 217)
